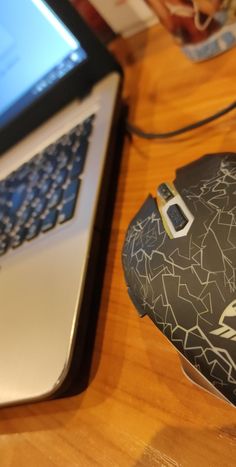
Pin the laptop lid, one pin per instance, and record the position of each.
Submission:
(47, 56)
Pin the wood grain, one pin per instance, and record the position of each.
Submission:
(139, 409)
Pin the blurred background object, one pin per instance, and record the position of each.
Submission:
(125, 17)
(94, 20)
(203, 28)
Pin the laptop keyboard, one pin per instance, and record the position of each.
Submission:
(42, 193)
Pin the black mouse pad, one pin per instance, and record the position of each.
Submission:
(187, 285)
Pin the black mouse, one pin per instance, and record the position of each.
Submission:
(179, 260)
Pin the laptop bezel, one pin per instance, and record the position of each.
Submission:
(78, 83)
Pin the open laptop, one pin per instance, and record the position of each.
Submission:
(59, 95)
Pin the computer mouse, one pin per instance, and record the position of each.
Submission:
(179, 261)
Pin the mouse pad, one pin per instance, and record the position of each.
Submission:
(187, 285)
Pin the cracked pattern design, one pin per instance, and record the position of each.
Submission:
(188, 285)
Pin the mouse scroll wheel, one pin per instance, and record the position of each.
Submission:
(165, 192)
(177, 217)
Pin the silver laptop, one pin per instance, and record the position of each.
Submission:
(54, 153)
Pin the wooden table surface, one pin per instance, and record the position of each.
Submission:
(139, 409)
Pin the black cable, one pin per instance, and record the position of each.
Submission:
(170, 134)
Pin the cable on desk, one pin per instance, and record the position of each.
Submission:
(132, 129)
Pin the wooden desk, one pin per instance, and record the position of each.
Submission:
(139, 409)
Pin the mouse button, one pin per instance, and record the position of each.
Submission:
(165, 192)
(177, 217)
(148, 208)
(144, 233)
(193, 173)
(137, 228)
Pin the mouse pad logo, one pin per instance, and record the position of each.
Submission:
(227, 323)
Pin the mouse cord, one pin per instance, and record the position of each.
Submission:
(132, 129)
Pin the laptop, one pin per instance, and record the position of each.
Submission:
(59, 101)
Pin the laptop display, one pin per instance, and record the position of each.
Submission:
(21, 45)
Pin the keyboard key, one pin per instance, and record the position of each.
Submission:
(2, 227)
(69, 202)
(36, 176)
(55, 198)
(67, 211)
(78, 162)
(9, 224)
(71, 191)
(49, 221)
(40, 207)
(87, 126)
(24, 216)
(19, 237)
(68, 152)
(50, 166)
(33, 230)
(23, 173)
(45, 187)
(61, 177)
(17, 199)
(2, 213)
(32, 194)
(3, 244)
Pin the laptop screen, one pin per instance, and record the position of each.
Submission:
(36, 51)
